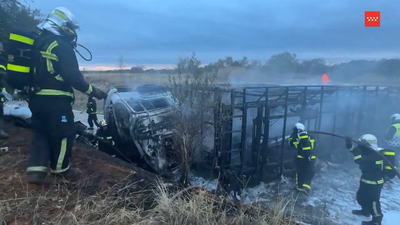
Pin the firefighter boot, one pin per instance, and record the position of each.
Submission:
(3, 135)
(375, 221)
(361, 212)
(72, 174)
(372, 222)
(39, 178)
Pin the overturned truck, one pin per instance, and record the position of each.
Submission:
(250, 125)
(140, 119)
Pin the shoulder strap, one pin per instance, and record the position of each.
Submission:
(41, 43)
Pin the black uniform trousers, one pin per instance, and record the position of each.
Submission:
(304, 173)
(107, 143)
(92, 118)
(53, 133)
(368, 197)
(2, 100)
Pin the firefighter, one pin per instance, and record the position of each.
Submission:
(372, 178)
(392, 136)
(389, 172)
(3, 135)
(92, 112)
(56, 74)
(305, 160)
(107, 143)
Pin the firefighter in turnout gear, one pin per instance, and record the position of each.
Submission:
(106, 135)
(3, 71)
(388, 172)
(56, 74)
(392, 136)
(372, 178)
(92, 112)
(305, 157)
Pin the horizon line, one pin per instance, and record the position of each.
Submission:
(108, 67)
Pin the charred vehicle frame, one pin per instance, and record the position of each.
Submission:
(249, 124)
(140, 119)
(255, 120)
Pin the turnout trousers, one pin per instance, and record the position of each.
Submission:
(368, 197)
(2, 99)
(92, 118)
(304, 175)
(2, 133)
(53, 134)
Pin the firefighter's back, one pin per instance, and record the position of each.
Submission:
(372, 166)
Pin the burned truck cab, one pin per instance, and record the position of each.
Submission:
(140, 119)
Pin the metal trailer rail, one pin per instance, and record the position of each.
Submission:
(353, 105)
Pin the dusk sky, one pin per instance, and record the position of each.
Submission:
(157, 32)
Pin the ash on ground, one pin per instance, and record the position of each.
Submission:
(331, 201)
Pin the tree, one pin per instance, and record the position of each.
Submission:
(241, 63)
(15, 14)
(283, 63)
(255, 63)
(137, 69)
(313, 66)
(121, 63)
(389, 68)
(190, 65)
(228, 61)
(192, 117)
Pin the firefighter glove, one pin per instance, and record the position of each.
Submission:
(99, 94)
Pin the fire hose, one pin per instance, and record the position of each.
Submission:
(367, 147)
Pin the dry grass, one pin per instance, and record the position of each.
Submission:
(111, 192)
(105, 80)
(201, 208)
(62, 204)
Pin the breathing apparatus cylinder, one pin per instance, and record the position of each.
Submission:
(20, 58)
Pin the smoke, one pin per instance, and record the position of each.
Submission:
(345, 110)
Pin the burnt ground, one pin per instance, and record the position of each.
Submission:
(110, 191)
(103, 175)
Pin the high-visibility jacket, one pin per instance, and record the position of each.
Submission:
(304, 145)
(395, 141)
(390, 155)
(372, 165)
(57, 70)
(108, 140)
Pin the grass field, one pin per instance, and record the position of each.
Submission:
(105, 196)
(105, 80)
(111, 192)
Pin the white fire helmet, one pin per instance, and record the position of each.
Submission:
(395, 117)
(300, 127)
(103, 123)
(60, 21)
(370, 140)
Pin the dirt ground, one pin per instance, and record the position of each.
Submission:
(102, 176)
(111, 191)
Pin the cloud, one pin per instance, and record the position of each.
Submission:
(157, 32)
